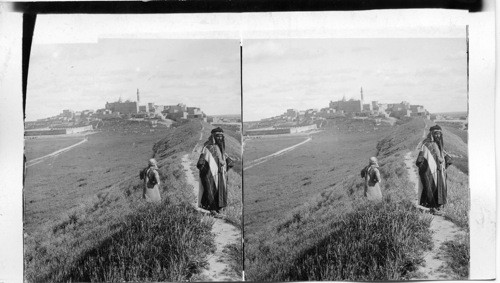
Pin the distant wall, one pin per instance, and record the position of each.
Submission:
(78, 129)
(303, 128)
(267, 132)
(281, 130)
(62, 131)
(45, 132)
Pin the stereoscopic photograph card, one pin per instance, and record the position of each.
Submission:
(276, 146)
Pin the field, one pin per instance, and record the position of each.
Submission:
(265, 145)
(86, 220)
(300, 174)
(60, 183)
(456, 129)
(41, 146)
(306, 218)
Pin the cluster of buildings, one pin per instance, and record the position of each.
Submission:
(77, 121)
(151, 110)
(294, 120)
(358, 107)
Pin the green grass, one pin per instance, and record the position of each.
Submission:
(456, 129)
(374, 242)
(56, 249)
(458, 206)
(60, 184)
(457, 148)
(164, 242)
(100, 233)
(337, 235)
(457, 254)
(40, 146)
(259, 147)
(235, 252)
(326, 176)
(282, 185)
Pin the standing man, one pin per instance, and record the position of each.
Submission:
(432, 162)
(213, 165)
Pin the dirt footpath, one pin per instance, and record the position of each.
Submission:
(225, 234)
(434, 267)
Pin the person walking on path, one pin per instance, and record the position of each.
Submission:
(151, 191)
(372, 180)
(432, 162)
(213, 165)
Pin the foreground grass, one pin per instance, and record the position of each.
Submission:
(375, 242)
(163, 242)
(457, 254)
(235, 253)
(62, 247)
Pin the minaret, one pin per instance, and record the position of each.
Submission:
(138, 98)
(362, 99)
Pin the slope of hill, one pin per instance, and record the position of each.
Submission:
(116, 236)
(340, 236)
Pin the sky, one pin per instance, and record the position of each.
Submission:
(202, 73)
(279, 74)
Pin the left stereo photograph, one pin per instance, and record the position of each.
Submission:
(133, 168)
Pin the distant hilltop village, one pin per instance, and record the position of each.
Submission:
(295, 121)
(79, 121)
(151, 110)
(358, 108)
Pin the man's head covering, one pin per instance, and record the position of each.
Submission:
(217, 131)
(211, 139)
(435, 128)
(152, 162)
(432, 130)
(373, 161)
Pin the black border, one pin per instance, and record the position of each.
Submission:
(236, 6)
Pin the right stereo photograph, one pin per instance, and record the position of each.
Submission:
(355, 159)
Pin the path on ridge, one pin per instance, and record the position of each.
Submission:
(225, 234)
(442, 230)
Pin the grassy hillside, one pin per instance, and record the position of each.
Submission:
(115, 236)
(338, 235)
(258, 147)
(61, 183)
(40, 146)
